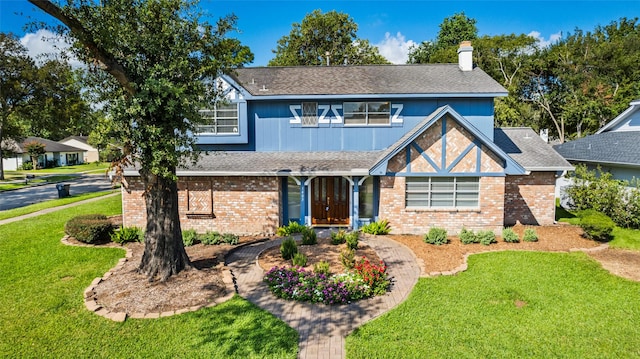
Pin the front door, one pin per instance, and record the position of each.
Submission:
(330, 201)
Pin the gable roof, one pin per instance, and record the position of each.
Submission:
(50, 146)
(511, 167)
(425, 80)
(83, 139)
(608, 147)
(529, 150)
(633, 106)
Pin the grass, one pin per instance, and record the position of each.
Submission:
(623, 238)
(42, 313)
(511, 305)
(83, 168)
(10, 213)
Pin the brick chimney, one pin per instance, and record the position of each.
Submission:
(465, 56)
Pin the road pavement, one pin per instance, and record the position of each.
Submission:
(26, 196)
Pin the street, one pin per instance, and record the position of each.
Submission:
(26, 196)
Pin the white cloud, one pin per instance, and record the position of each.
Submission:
(395, 48)
(45, 44)
(542, 43)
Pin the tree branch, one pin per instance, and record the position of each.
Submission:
(109, 63)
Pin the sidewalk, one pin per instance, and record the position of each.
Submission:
(53, 209)
(323, 328)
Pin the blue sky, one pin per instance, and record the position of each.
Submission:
(391, 25)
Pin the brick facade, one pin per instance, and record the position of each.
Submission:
(489, 215)
(239, 205)
(530, 199)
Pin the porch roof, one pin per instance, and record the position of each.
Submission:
(248, 163)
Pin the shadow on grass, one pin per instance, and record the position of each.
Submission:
(239, 329)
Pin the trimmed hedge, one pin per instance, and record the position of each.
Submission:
(597, 226)
(89, 228)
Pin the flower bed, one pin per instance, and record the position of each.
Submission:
(295, 283)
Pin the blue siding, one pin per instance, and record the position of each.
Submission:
(270, 128)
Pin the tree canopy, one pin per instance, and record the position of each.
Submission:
(159, 61)
(328, 36)
(453, 30)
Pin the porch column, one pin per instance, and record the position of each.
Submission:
(303, 200)
(355, 210)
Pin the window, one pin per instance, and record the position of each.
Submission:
(367, 113)
(222, 120)
(366, 199)
(442, 192)
(309, 114)
(293, 196)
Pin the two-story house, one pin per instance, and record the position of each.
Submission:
(346, 145)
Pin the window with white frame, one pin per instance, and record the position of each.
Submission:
(367, 113)
(309, 114)
(222, 120)
(442, 192)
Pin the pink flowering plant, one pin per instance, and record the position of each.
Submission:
(296, 283)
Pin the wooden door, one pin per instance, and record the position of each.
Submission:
(330, 201)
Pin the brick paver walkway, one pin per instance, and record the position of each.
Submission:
(323, 328)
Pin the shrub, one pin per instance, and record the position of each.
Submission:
(189, 237)
(347, 258)
(299, 259)
(486, 237)
(530, 235)
(288, 248)
(338, 237)
(210, 238)
(89, 228)
(309, 236)
(291, 228)
(321, 267)
(598, 190)
(597, 226)
(509, 236)
(352, 240)
(127, 234)
(230, 238)
(468, 236)
(377, 228)
(436, 236)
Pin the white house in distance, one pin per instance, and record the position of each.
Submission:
(57, 153)
(91, 153)
(614, 147)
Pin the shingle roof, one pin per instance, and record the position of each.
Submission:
(242, 163)
(420, 79)
(50, 146)
(529, 150)
(606, 147)
(82, 139)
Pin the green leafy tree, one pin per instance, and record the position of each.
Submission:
(162, 60)
(35, 149)
(17, 90)
(453, 30)
(321, 35)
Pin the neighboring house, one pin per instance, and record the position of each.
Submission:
(614, 147)
(347, 145)
(57, 154)
(91, 153)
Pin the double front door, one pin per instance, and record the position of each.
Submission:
(329, 201)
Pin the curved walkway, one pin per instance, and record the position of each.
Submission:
(323, 328)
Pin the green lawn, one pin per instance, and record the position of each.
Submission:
(623, 238)
(10, 213)
(42, 314)
(95, 167)
(37, 180)
(572, 308)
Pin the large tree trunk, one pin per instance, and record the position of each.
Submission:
(164, 253)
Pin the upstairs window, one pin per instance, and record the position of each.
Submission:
(367, 113)
(309, 114)
(222, 120)
(442, 192)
